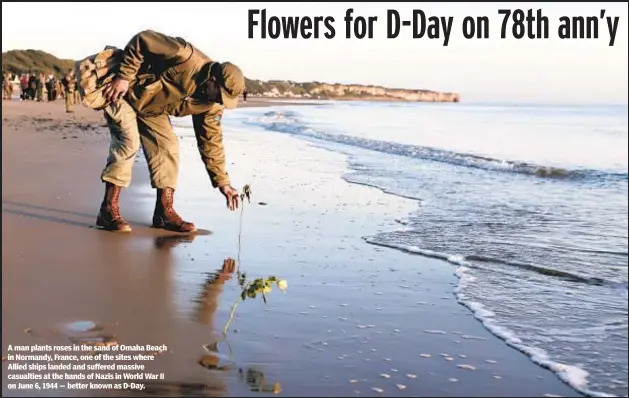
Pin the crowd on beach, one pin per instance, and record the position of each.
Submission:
(41, 87)
(34, 86)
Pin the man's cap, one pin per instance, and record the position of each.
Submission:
(232, 84)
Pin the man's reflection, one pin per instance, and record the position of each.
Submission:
(212, 288)
(208, 303)
(170, 241)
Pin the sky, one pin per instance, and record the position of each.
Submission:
(487, 70)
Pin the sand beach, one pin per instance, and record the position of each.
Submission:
(355, 320)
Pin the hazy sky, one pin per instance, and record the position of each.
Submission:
(550, 70)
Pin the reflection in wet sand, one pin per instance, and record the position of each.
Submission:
(212, 288)
(173, 389)
(166, 242)
(142, 286)
(170, 241)
(257, 381)
(208, 300)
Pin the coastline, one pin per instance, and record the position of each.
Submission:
(354, 311)
(346, 98)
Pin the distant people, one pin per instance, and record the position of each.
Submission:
(7, 86)
(59, 89)
(69, 85)
(42, 93)
(16, 83)
(77, 93)
(244, 96)
(38, 87)
(32, 87)
(24, 86)
(50, 88)
(53, 87)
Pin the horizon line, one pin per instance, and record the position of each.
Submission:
(278, 80)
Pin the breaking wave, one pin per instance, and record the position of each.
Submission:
(483, 262)
(288, 122)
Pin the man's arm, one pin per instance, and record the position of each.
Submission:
(209, 134)
(149, 45)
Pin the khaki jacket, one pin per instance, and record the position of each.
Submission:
(69, 83)
(164, 73)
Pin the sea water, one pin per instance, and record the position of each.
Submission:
(527, 203)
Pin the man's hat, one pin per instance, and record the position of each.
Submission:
(232, 84)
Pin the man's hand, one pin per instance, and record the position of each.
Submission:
(116, 90)
(229, 266)
(231, 194)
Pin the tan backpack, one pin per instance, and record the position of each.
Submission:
(95, 73)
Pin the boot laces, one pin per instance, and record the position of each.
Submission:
(114, 207)
(169, 208)
(115, 212)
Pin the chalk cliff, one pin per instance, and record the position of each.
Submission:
(337, 91)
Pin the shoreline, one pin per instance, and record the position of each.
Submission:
(346, 309)
(365, 99)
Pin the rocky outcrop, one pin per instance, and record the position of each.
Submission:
(316, 90)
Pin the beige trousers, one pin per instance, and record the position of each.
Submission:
(69, 100)
(159, 143)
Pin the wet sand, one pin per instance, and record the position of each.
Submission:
(356, 320)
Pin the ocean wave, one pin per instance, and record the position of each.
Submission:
(288, 122)
(483, 262)
(574, 376)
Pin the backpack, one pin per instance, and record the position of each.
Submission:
(95, 73)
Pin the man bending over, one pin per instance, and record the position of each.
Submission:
(159, 77)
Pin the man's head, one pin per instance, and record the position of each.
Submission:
(226, 84)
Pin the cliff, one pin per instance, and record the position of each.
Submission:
(317, 90)
(23, 61)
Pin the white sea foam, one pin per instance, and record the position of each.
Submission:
(287, 121)
(573, 375)
(520, 244)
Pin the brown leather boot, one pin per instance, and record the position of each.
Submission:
(165, 215)
(109, 217)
